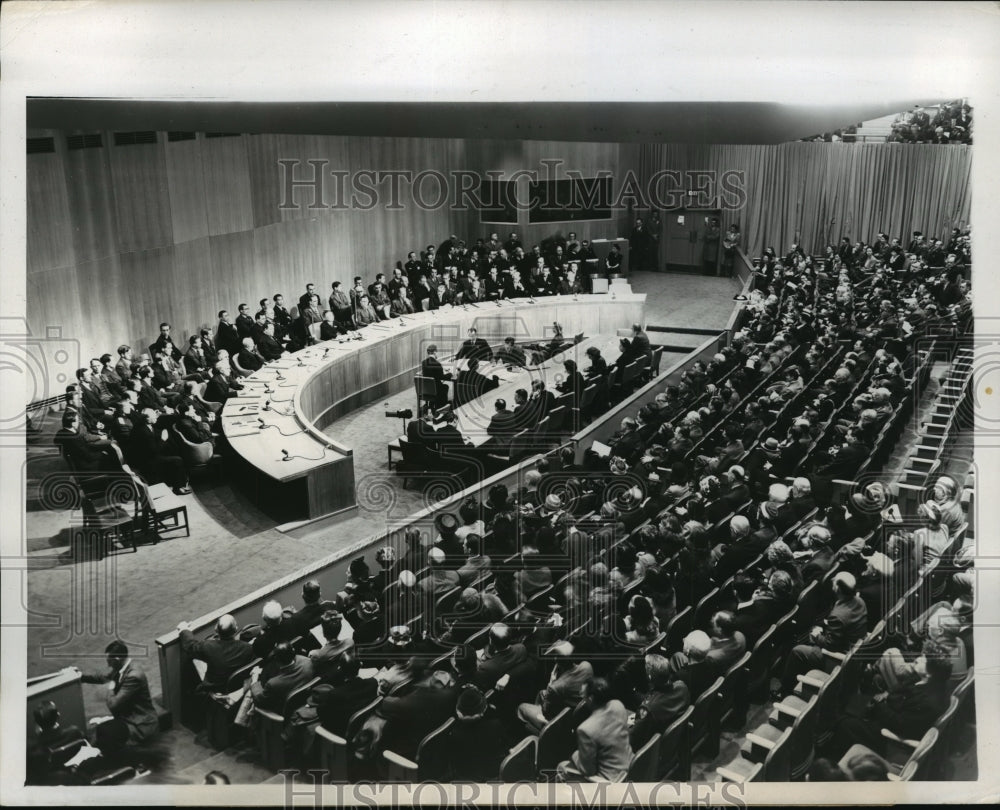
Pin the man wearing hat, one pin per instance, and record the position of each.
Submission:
(846, 622)
(666, 699)
(337, 644)
(860, 515)
(431, 367)
(566, 687)
(367, 620)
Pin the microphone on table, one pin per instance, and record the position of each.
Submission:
(325, 353)
(301, 361)
(286, 456)
(280, 375)
(267, 405)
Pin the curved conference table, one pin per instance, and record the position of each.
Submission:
(276, 422)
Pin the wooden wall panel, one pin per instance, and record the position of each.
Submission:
(228, 198)
(142, 203)
(186, 187)
(90, 195)
(49, 228)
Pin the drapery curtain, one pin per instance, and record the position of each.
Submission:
(816, 193)
(121, 238)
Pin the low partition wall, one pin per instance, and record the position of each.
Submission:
(331, 571)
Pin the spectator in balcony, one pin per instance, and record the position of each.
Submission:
(501, 655)
(602, 740)
(566, 687)
(223, 652)
(845, 624)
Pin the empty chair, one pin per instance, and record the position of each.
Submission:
(431, 758)
(556, 741)
(645, 762)
(675, 749)
(519, 764)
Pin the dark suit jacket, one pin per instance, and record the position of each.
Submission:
(492, 669)
(413, 715)
(347, 698)
(228, 338)
(244, 325)
(658, 710)
(845, 624)
(271, 694)
(477, 348)
(502, 426)
(249, 360)
(755, 619)
(269, 348)
(472, 385)
(304, 619)
(194, 360)
(85, 455)
(218, 388)
(223, 656)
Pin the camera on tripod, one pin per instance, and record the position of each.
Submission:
(403, 414)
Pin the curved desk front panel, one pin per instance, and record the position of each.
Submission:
(276, 423)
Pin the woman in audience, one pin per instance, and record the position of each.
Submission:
(641, 625)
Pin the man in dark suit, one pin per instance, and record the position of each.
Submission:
(666, 699)
(244, 322)
(268, 346)
(223, 652)
(228, 336)
(692, 666)
(133, 715)
(153, 457)
(84, 454)
(474, 347)
(510, 354)
(573, 382)
(191, 426)
(421, 431)
(412, 715)
(350, 694)
(249, 358)
(499, 657)
(289, 672)
(501, 426)
(220, 387)
(195, 361)
(164, 344)
(846, 622)
(282, 317)
(758, 609)
(431, 367)
(472, 385)
(308, 616)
